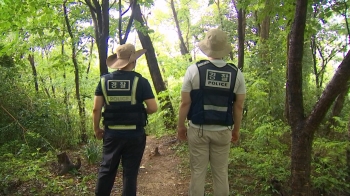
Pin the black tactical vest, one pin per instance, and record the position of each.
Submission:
(212, 102)
(121, 110)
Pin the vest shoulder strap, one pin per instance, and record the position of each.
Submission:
(202, 62)
(233, 66)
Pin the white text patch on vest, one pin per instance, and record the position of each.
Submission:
(218, 79)
(217, 84)
(118, 85)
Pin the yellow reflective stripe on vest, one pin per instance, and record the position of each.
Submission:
(133, 90)
(122, 127)
(119, 98)
(103, 86)
(216, 108)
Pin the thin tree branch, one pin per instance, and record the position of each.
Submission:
(90, 59)
(67, 20)
(89, 4)
(127, 9)
(115, 1)
(120, 22)
(24, 129)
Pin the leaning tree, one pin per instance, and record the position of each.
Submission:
(304, 126)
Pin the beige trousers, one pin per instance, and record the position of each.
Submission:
(209, 147)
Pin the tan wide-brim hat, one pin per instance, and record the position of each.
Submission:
(215, 44)
(124, 55)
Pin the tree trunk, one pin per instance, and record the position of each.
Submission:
(66, 95)
(100, 18)
(265, 25)
(183, 48)
(217, 3)
(241, 16)
(258, 28)
(152, 62)
(348, 155)
(35, 75)
(265, 29)
(286, 105)
(301, 141)
(77, 78)
(264, 34)
(241, 38)
(66, 164)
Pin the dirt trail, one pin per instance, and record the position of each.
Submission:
(160, 173)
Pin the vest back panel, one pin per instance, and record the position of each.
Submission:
(119, 90)
(212, 102)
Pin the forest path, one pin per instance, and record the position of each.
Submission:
(161, 173)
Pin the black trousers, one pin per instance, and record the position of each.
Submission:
(127, 150)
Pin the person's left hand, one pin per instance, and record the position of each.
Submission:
(99, 133)
(182, 133)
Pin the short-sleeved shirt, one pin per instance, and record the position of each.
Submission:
(143, 92)
(191, 82)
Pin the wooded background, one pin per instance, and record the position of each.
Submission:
(294, 55)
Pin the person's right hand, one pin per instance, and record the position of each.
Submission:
(235, 136)
(182, 133)
(99, 133)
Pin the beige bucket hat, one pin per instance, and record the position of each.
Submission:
(124, 55)
(215, 44)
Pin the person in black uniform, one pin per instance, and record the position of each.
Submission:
(122, 94)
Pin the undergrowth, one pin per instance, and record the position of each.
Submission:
(34, 173)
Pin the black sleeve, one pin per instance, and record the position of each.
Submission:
(147, 92)
(98, 91)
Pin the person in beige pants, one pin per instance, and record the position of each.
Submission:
(212, 98)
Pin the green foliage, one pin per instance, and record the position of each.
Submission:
(143, 29)
(93, 151)
(156, 121)
(5, 60)
(265, 154)
(173, 70)
(265, 81)
(38, 171)
(31, 118)
(156, 124)
(146, 3)
(329, 166)
(41, 126)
